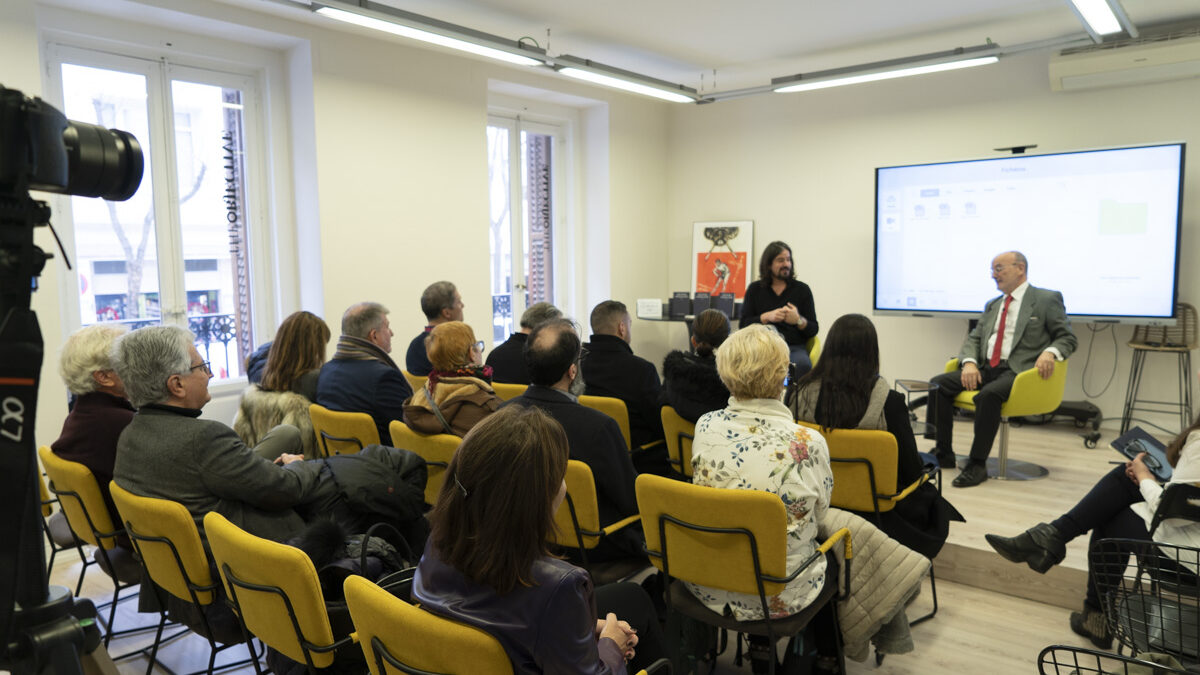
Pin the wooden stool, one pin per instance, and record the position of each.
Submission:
(1180, 340)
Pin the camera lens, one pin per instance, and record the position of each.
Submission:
(105, 163)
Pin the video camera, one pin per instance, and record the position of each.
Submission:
(40, 149)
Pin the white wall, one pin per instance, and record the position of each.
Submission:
(802, 167)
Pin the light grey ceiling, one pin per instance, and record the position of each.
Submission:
(724, 45)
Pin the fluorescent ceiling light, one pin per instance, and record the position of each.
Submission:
(887, 75)
(379, 17)
(962, 57)
(583, 69)
(1098, 15)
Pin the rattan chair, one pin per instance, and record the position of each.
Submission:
(340, 433)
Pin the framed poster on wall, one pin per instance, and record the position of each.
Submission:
(721, 257)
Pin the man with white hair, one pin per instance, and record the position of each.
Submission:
(169, 452)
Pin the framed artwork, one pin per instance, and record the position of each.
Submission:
(721, 257)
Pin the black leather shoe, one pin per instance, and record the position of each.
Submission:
(972, 474)
(945, 458)
(1091, 624)
(1041, 547)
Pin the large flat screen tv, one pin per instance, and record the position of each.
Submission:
(1102, 226)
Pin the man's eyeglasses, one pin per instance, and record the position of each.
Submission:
(205, 366)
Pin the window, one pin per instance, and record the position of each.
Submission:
(177, 252)
(522, 232)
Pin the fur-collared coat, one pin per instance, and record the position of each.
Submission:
(260, 411)
(464, 401)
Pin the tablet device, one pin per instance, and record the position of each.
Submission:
(1136, 441)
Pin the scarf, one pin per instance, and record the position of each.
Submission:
(358, 349)
(478, 372)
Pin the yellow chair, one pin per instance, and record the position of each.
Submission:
(415, 381)
(275, 590)
(341, 433)
(80, 498)
(866, 466)
(396, 636)
(733, 540)
(1030, 395)
(614, 408)
(165, 537)
(577, 526)
(813, 347)
(679, 434)
(58, 531)
(436, 450)
(507, 392)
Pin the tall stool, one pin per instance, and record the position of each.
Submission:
(1180, 340)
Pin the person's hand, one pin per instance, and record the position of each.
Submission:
(773, 316)
(1045, 365)
(619, 632)
(1137, 471)
(792, 316)
(971, 377)
(286, 459)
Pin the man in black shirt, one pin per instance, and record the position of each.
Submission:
(508, 359)
(777, 299)
(610, 368)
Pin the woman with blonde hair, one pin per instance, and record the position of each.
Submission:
(289, 382)
(458, 393)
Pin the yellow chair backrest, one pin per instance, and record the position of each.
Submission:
(613, 407)
(1030, 395)
(44, 494)
(679, 434)
(870, 452)
(85, 508)
(813, 347)
(149, 521)
(581, 494)
(715, 559)
(422, 641)
(243, 558)
(415, 381)
(436, 450)
(505, 391)
(341, 433)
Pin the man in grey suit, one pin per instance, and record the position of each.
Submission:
(1026, 327)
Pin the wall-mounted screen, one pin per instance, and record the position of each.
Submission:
(1102, 226)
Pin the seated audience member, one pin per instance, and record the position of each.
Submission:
(1120, 505)
(610, 368)
(168, 452)
(844, 391)
(487, 562)
(101, 412)
(361, 377)
(552, 355)
(441, 302)
(458, 393)
(508, 359)
(691, 384)
(289, 383)
(754, 445)
(257, 362)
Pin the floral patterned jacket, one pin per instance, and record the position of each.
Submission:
(754, 445)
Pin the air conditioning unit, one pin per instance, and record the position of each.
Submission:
(1141, 61)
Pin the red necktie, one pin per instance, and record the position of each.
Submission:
(995, 360)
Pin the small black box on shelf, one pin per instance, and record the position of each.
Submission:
(724, 302)
(680, 305)
(701, 302)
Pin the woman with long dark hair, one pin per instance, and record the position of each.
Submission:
(1120, 505)
(844, 391)
(487, 561)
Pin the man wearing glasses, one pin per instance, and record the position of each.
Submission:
(169, 452)
(1025, 327)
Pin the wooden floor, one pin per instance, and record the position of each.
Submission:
(994, 616)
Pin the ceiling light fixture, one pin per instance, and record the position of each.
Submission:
(583, 69)
(962, 57)
(416, 27)
(1103, 17)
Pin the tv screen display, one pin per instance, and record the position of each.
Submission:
(1101, 226)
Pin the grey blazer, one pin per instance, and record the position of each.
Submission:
(1041, 323)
